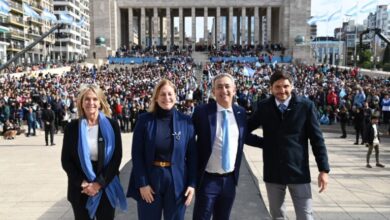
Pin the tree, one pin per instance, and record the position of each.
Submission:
(386, 55)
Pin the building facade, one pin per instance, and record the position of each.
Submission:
(72, 41)
(152, 22)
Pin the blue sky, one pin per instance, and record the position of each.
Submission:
(321, 7)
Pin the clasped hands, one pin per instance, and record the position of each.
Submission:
(90, 189)
(147, 194)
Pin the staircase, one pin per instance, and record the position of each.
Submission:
(200, 59)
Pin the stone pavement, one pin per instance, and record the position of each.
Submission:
(33, 184)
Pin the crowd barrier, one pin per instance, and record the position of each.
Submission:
(277, 59)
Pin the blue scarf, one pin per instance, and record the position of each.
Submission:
(114, 189)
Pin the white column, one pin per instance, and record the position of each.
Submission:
(206, 30)
(218, 30)
(269, 16)
(193, 19)
(142, 37)
(230, 28)
(181, 28)
(243, 26)
(131, 32)
(257, 29)
(168, 27)
(155, 27)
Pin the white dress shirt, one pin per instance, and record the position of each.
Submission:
(214, 165)
(285, 102)
(93, 132)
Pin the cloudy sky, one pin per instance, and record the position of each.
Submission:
(321, 7)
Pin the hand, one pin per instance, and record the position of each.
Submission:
(91, 189)
(190, 192)
(323, 181)
(147, 193)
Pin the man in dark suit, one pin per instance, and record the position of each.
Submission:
(288, 122)
(48, 118)
(221, 130)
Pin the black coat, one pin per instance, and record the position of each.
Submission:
(71, 162)
(285, 147)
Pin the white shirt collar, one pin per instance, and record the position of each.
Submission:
(221, 108)
(285, 102)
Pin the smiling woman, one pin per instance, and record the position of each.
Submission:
(91, 155)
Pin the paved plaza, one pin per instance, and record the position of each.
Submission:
(33, 184)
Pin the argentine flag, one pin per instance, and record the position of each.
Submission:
(247, 71)
(4, 7)
(65, 18)
(28, 11)
(48, 16)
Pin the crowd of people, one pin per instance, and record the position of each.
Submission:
(93, 105)
(340, 95)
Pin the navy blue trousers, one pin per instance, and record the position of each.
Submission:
(215, 197)
(164, 198)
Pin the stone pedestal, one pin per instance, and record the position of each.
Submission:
(302, 54)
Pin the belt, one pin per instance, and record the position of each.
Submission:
(162, 163)
(219, 174)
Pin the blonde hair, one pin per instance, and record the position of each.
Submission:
(104, 106)
(156, 91)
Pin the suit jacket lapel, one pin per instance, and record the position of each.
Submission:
(237, 115)
(212, 115)
(101, 151)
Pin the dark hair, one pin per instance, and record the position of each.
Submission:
(280, 74)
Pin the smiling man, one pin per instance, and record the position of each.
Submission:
(220, 128)
(288, 122)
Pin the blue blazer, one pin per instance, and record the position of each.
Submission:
(205, 119)
(184, 155)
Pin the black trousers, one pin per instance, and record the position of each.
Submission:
(104, 211)
(49, 130)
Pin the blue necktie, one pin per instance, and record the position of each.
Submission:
(225, 143)
(282, 108)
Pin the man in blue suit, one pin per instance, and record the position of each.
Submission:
(288, 122)
(220, 128)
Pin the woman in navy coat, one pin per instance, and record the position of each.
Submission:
(164, 158)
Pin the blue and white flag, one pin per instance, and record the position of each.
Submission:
(28, 11)
(335, 15)
(48, 16)
(247, 71)
(65, 18)
(369, 6)
(81, 23)
(320, 18)
(353, 11)
(4, 7)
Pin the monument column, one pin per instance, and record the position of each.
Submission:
(218, 30)
(168, 27)
(249, 38)
(257, 29)
(243, 25)
(230, 28)
(131, 32)
(206, 30)
(269, 16)
(143, 37)
(193, 19)
(181, 28)
(155, 27)
(238, 29)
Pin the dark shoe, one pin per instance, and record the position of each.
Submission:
(380, 165)
(368, 166)
(356, 143)
(52, 144)
(362, 143)
(342, 136)
(47, 144)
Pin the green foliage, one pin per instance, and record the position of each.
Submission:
(386, 55)
(386, 67)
